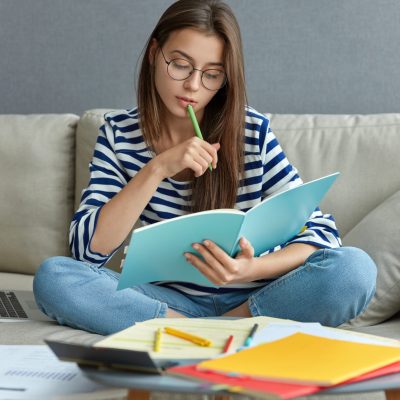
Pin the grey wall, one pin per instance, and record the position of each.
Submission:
(302, 56)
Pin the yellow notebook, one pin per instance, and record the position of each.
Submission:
(302, 358)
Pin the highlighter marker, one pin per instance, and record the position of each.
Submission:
(196, 126)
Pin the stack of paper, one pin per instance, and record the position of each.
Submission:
(285, 359)
(263, 387)
(303, 358)
(297, 365)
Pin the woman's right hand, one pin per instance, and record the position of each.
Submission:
(195, 154)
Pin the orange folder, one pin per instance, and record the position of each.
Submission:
(305, 359)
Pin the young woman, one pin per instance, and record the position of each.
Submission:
(148, 164)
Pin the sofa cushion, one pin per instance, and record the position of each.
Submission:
(379, 235)
(389, 328)
(364, 148)
(37, 154)
(34, 332)
(8, 280)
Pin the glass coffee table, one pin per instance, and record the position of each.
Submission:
(141, 385)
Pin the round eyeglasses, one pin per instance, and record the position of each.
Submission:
(180, 69)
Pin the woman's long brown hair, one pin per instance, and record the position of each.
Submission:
(224, 116)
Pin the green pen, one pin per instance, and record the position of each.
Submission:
(196, 126)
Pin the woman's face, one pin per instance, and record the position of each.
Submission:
(203, 52)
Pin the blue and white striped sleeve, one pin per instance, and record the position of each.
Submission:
(278, 175)
(107, 178)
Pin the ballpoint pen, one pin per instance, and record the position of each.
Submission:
(249, 338)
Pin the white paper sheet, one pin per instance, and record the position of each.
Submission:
(275, 331)
(34, 372)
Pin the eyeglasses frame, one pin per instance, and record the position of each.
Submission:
(194, 69)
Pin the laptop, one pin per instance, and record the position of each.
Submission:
(19, 305)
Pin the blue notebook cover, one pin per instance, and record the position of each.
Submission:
(155, 252)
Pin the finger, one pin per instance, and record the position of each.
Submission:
(195, 162)
(203, 268)
(216, 251)
(216, 147)
(199, 167)
(211, 150)
(206, 150)
(205, 155)
(195, 146)
(197, 153)
(212, 262)
(247, 249)
(221, 256)
(225, 267)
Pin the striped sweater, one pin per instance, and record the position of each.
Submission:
(120, 152)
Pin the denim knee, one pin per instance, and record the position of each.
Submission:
(361, 274)
(332, 287)
(48, 278)
(354, 282)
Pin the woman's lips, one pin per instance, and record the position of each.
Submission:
(184, 101)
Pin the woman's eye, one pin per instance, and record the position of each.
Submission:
(180, 64)
(215, 74)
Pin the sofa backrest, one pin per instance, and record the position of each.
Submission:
(363, 148)
(44, 168)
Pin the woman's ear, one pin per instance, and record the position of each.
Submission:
(152, 50)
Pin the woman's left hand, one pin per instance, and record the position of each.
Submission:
(221, 269)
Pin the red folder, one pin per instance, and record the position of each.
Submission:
(245, 384)
(386, 370)
(279, 390)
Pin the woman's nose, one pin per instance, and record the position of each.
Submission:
(193, 82)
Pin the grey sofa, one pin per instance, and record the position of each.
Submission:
(44, 166)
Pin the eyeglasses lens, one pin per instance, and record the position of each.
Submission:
(180, 69)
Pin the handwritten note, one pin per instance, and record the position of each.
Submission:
(141, 336)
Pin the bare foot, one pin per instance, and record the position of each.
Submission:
(174, 314)
(240, 311)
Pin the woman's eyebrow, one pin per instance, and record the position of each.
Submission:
(182, 53)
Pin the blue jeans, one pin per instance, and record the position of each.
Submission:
(333, 286)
